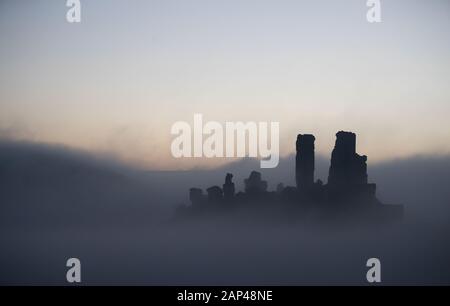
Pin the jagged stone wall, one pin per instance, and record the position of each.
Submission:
(254, 183)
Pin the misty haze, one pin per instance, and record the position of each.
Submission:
(58, 203)
(360, 98)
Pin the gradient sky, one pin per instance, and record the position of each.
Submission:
(117, 81)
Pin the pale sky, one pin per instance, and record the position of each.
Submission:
(118, 80)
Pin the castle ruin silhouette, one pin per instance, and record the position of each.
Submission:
(347, 193)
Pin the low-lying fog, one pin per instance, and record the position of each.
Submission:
(56, 203)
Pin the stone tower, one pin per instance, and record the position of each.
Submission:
(347, 167)
(304, 161)
(228, 187)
